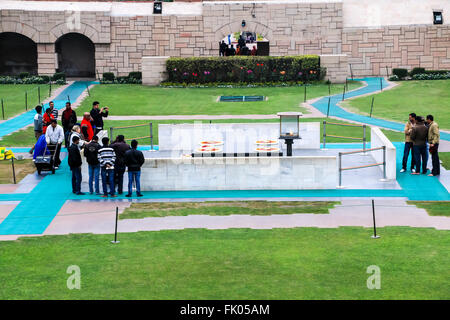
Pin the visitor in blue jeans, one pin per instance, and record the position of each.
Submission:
(107, 158)
(419, 137)
(91, 154)
(134, 160)
(108, 179)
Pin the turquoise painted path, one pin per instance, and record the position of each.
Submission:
(373, 85)
(73, 92)
(419, 187)
(37, 209)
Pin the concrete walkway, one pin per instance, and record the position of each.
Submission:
(99, 218)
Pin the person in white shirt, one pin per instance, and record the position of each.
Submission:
(76, 132)
(55, 136)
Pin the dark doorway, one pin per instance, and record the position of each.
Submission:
(18, 53)
(76, 55)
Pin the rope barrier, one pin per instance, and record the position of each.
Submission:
(362, 151)
(133, 126)
(138, 138)
(346, 124)
(344, 137)
(325, 135)
(363, 166)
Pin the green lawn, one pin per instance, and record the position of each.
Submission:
(224, 208)
(13, 96)
(299, 263)
(422, 97)
(144, 100)
(434, 208)
(21, 167)
(26, 137)
(445, 158)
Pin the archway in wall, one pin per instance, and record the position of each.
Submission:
(76, 55)
(18, 53)
(255, 44)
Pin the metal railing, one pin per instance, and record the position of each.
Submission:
(325, 135)
(363, 166)
(150, 124)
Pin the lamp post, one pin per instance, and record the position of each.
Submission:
(289, 129)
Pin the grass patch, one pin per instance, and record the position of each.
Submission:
(143, 100)
(13, 96)
(434, 208)
(22, 169)
(224, 208)
(422, 97)
(298, 263)
(26, 137)
(445, 158)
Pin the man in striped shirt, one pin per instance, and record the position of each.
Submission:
(107, 158)
(53, 111)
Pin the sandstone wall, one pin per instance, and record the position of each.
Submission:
(371, 50)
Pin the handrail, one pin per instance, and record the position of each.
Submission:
(325, 135)
(111, 130)
(362, 151)
(362, 166)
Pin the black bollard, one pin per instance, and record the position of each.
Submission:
(374, 223)
(115, 231)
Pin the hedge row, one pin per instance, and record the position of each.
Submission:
(133, 77)
(248, 69)
(401, 73)
(31, 80)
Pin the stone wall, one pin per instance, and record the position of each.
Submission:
(371, 50)
(153, 70)
(291, 28)
(124, 33)
(337, 67)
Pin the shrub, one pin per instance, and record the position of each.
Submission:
(394, 78)
(416, 71)
(108, 76)
(24, 75)
(45, 79)
(59, 76)
(432, 76)
(400, 72)
(60, 81)
(245, 69)
(135, 75)
(436, 71)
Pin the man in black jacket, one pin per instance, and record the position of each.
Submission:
(68, 120)
(134, 160)
(419, 135)
(120, 147)
(97, 115)
(75, 165)
(91, 154)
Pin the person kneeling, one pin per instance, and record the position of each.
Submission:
(75, 165)
(134, 160)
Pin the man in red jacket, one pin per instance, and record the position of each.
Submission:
(86, 127)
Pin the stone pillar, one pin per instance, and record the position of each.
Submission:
(153, 70)
(46, 58)
(337, 67)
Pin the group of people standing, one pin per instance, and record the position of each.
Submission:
(108, 160)
(241, 49)
(419, 131)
